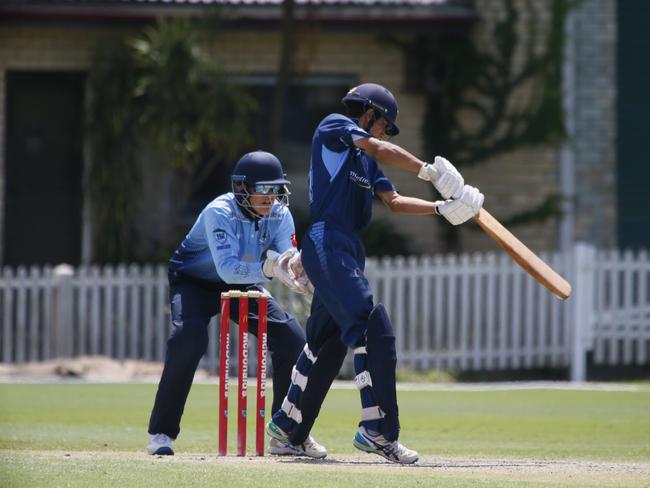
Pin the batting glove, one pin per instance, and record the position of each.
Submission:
(464, 208)
(444, 177)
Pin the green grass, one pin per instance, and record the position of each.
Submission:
(94, 434)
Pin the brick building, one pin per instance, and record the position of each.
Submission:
(47, 47)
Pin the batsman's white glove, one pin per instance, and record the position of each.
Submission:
(277, 266)
(464, 208)
(297, 271)
(444, 177)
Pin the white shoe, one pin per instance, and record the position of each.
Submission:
(309, 447)
(377, 444)
(160, 445)
(279, 448)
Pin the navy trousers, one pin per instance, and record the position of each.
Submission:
(193, 303)
(341, 313)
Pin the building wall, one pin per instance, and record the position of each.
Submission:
(37, 49)
(522, 179)
(361, 56)
(594, 140)
(512, 183)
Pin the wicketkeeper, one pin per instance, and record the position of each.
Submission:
(239, 241)
(344, 177)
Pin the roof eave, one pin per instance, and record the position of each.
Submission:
(331, 14)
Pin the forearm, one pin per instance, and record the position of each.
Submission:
(413, 206)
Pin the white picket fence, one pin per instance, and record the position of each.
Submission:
(468, 312)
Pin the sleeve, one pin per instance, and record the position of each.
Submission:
(380, 182)
(224, 247)
(285, 237)
(337, 130)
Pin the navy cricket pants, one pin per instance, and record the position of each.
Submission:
(193, 303)
(343, 300)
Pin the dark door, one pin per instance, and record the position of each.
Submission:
(43, 168)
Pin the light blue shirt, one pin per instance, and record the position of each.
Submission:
(226, 246)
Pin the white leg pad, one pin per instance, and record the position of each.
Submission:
(298, 379)
(291, 410)
(372, 413)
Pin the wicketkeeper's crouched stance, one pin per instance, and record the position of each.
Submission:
(344, 177)
(223, 251)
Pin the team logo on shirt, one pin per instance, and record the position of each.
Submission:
(242, 270)
(220, 235)
(361, 181)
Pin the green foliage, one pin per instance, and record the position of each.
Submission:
(114, 175)
(157, 94)
(381, 238)
(510, 104)
(465, 79)
(550, 206)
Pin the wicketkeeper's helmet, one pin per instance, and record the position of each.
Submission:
(380, 99)
(260, 172)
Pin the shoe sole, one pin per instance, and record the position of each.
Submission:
(291, 452)
(370, 450)
(282, 452)
(162, 451)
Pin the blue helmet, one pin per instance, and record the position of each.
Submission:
(259, 172)
(378, 98)
(259, 167)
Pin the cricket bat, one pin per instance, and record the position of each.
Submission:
(523, 256)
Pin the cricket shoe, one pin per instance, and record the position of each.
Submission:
(309, 447)
(160, 445)
(279, 448)
(377, 444)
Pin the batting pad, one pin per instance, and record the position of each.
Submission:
(380, 362)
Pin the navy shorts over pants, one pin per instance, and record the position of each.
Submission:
(335, 262)
(193, 303)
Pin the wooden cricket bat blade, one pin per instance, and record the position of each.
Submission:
(523, 256)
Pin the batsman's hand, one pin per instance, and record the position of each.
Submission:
(444, 177)
(297, 271)
(277, 266)
(464, 208)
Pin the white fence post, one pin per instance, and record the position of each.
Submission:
(583, 305)
(62, 325)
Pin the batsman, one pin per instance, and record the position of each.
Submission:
(239, 241)
(344, 177)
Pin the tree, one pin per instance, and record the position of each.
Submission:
(510, 104)
(157, 93)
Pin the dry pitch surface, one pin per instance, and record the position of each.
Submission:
(546, 473)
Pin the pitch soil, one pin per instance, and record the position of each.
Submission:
(85, 368)
(561, 471)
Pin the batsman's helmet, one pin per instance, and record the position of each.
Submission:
(261, 172)
(380, 99)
